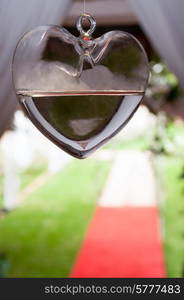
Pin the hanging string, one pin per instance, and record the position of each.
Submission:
(84, 7)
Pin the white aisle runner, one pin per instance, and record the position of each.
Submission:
(131, 181)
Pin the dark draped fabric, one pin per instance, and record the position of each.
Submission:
(162, 21)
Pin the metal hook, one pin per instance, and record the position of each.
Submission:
(80, 26)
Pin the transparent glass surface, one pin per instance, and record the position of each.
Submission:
(79, 91)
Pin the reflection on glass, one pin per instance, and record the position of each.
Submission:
(79, 92)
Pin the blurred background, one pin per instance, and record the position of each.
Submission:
(47, 198)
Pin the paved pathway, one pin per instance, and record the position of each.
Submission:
(131, 181)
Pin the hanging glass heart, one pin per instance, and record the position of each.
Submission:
(79, 91)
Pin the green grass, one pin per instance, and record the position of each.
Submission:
(172, 179)
(140, 143)
(42, 237)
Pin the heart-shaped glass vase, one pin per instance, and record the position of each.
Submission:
(79, 91)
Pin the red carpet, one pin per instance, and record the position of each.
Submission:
(122, 242)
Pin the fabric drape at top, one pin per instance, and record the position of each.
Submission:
(17, 17)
